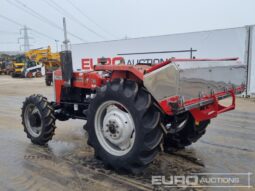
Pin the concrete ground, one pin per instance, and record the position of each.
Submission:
(67, 163)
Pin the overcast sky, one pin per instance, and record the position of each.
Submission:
(98, 20)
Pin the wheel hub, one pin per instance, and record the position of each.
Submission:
(112, 127)
(117, 127)
(34, 120)
(112, 130)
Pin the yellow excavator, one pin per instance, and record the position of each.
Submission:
(43, 55)
(41, 58)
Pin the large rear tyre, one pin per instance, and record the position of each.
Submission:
(38, 119)
(123, 126)
(189, 134)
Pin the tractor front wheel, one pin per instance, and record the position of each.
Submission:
(38, 119)
(123, 126)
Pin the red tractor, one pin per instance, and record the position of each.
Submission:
(132, 110)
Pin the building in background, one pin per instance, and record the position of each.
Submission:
(223, 43)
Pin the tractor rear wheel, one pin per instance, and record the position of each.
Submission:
(123, 126)
(38, 119)
(189, 134)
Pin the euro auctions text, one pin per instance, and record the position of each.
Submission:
(223, 180)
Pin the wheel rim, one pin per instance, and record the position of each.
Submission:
(114, 127)
(32, 119)
(29, 75)
(181, 123)
(38, 74)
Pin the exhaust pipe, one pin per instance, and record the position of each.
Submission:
(66, 60)
(66, 67)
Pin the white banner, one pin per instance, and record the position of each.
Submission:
(251, 87)
(208, 44)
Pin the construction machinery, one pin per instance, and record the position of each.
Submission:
(46, 59)
(23, 66)
(32, 69)
(18, 66)
(45, 56)
(34, 63)
(7, 66)
(2, 66)
(133, 109)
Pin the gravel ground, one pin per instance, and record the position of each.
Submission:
(67, 163)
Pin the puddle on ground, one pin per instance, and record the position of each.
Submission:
(60, 148)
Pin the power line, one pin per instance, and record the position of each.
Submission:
(20, 25)
(89, 18)
(10, 20)
(8, 42)
(40, 17)
(24, 8)
(62, 11)
(44, 35)
(77, 20)
(15, 22)
(8, 32)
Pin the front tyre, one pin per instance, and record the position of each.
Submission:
(123, 126)
(38, 119)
